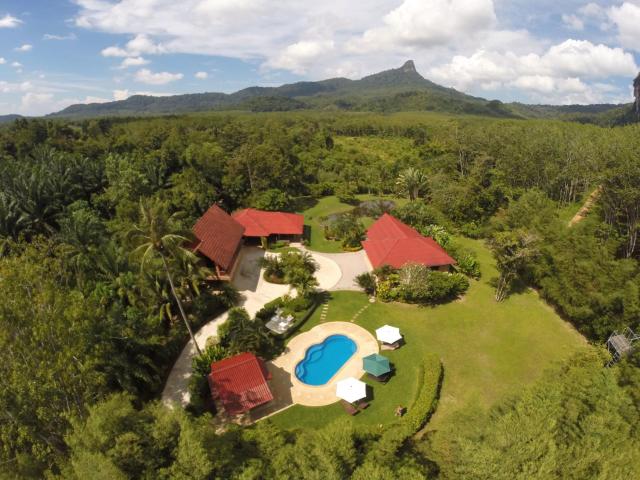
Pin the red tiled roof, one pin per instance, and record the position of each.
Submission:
(219, 236)
(391, 242)
(240, 382)
(259, 223)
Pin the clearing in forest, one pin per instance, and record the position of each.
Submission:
(489, 350)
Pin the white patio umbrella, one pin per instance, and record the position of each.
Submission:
(351, 389)
(388, 334)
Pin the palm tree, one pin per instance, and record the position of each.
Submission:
(244, 334)
(411, 182)
(159, 236)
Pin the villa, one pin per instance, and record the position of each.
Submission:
(219, 236)
(240, 383)
(391, 242)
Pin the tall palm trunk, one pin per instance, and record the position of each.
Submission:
(175, 295)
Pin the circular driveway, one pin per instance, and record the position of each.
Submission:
(349, 265)
(328, 274)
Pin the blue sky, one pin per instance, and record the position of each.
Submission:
(58, 52)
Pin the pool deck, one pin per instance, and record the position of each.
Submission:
(286, 387)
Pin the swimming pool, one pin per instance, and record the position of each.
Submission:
(323, 360)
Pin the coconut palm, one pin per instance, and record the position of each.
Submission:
(412, 182)
(159, 236)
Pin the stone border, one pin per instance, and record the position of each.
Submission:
(316, 396)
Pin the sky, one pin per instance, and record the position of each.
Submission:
(54, 53)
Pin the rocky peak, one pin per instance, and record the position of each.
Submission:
(408, 66)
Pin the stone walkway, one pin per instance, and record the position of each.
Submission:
(358, 313)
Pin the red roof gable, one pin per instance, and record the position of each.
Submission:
(391, 242)
(219, 236)
(240, 382)
(259, 223)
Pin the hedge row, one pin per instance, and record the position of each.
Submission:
(392, 440)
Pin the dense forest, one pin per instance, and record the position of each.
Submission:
(89, 327)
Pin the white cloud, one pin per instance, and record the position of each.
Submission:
(49, 36)
(560, 70)
(583, 58)
(135, 47)
(427, 23)
(626, 17)
(114, 52)
(298, 57)
(16, 64)
(30, 99)
(152, 78)
(7, 87)
(24, 48)
(2, 61)
(316, 39)
(133, 62)
(201, 75)
(9, 22)
(573, 22)
(121, 94)
(142, 44)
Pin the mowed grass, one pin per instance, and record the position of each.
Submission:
(489, 350)
(330, 205)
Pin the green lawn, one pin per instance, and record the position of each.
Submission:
(327, 206)
(489, 350)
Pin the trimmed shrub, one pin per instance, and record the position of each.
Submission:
(391, 441)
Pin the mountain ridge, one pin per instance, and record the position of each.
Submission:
(393, 90)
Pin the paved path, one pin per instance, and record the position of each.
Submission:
(255, 294)
(586, 207)
(349, 264)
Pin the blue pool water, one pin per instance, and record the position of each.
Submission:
(323, 360)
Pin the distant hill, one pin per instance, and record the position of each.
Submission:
(9, 118)
(398, 89)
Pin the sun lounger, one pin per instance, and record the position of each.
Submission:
(362, 405)
(390, 346)
(382, 378)
(350, 409)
